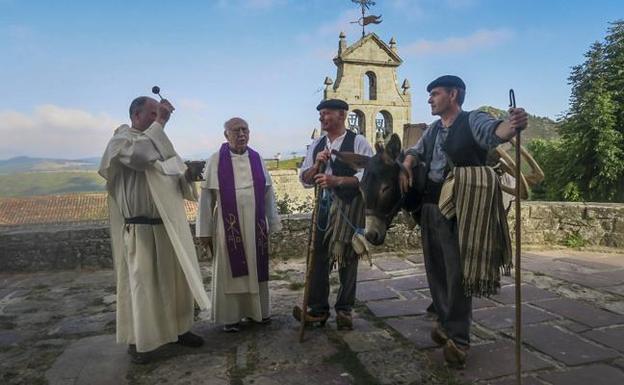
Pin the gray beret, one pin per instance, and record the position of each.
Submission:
(447, 81)
(333, 104)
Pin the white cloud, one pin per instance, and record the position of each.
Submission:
(54, 131)
(193, 105)
(480, 39)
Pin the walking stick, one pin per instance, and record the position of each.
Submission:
(318, 194)
(518, 278)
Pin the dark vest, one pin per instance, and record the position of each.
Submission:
(461, 149)
(460, 145)
(339, 168)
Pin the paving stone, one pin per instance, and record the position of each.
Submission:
(394, 367)
(592, 374)
(81, 324)
(503, 317)
(612, 337)
(415, 329)
(411, 282)
(393, 308)
(371, 275)
(411, 294)
(364, 341)
(530, 293)
(91, 361)
(526, 380)
(481, 303)
(34, 318)
(280, 346)
(573, 326)
(10, 338)
(392, 264)
(188, 369)
(316, 374)
(109, 299)
(567, 347)
(507, 280)
(619, 363)
(495, 360)
(593, 280)
(619, 290)
(581, 312)
(373, 291)
(416, 258)
(598, 266)
(52, 342)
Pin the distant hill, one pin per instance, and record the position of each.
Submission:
(539, 127)
(27, 164)
(46, 183)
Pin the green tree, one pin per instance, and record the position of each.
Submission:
(587, 163)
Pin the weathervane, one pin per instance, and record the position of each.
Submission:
(365, 20)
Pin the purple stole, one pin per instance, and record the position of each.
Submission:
(231, 223)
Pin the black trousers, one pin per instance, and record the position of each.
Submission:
(444, 273)
(318, 299)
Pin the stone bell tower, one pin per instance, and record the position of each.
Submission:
(366, 78)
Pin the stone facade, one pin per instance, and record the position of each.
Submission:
(367, 79)
(36, 248)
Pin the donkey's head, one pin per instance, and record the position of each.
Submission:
(379, 186)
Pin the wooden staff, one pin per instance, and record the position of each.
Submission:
(518, 277)
(318, 195)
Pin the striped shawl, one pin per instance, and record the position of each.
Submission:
(473, 194)
(342, 215)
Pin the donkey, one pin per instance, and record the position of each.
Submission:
(380, 187)
(382, 193)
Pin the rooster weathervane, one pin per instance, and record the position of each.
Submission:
(365, 20)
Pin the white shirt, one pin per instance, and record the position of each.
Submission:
(360, 146)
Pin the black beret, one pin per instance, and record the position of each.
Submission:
(333, 104)
(447, 81)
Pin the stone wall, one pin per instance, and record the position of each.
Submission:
(290, 194)
(87, 245)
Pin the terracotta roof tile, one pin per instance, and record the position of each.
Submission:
(56, 209)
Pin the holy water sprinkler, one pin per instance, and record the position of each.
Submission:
(156, 91)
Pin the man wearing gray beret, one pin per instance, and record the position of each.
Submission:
(459, 139)
(341, 208)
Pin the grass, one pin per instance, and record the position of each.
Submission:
(285, 164)
(47, 183)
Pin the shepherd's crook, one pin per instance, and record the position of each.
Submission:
(318, 190)
(518, 280)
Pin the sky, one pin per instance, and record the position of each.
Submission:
(69, 69)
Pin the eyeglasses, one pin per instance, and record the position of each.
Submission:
(239, 130)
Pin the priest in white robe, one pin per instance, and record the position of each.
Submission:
(236, 214)
(158, 275)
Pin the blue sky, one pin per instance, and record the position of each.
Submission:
(68, 69)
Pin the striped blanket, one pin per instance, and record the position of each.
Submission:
(473, 194)
(342, 215)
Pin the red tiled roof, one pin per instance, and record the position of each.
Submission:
(57, 209)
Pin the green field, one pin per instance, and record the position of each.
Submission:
(47, 183)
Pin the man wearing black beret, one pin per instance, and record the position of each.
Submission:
(341, 205)
(459, 139)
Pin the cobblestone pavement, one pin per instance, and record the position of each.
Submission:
(58, 328)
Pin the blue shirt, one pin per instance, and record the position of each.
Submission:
(483, 127)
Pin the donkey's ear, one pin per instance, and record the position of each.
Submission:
(379, 146)
(353, 160)
(393, 147)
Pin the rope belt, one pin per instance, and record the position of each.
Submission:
(143, 221)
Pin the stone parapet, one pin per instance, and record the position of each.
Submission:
(87, 245)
